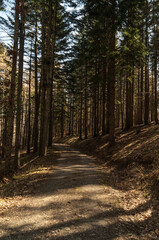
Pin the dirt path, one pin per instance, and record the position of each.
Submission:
(72, 204)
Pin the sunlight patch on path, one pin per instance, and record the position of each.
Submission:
(74, 204)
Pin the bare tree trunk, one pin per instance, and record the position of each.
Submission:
(95, 111)
(43, 85)
(108, 103)
(85, 104)
(98, 108)
(111, 77)
(152, 98)
(103, 93)
(62, 120)
(129, 104)
(52, 74)
(81, 110)
(29, 107)
(69, 124)
(24, 125)
(19, 90)
(156, 102)
(48, 83)
(146, 74)
(138, 98)
(36, 115)
(10, 107)
(72, 132)
(122, 102)
(141, 97)
(4, 133)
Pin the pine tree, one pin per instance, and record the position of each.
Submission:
(19, 89)
(10, 106)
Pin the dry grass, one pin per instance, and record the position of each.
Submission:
(24, 181)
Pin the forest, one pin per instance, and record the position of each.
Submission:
(83, 71)
(82, 74)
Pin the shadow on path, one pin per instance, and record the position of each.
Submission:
(74, 204)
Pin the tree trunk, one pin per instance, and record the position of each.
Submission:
(141, 97)
(52, 75)
(146, 72)
(138, 98)
(72, 132)
(95, 111)
(69, 125)
(81, 110)
(4, 134)
(103, 93)
(108, 103)
(111, 77)
(62, 121)
(36, 114)
(42, 149)
(29, 106)
(156, 102)
(10, 107)
(129, 103)
(85, 104)
(98, 108)
(19, 90)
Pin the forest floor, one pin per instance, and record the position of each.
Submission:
(69, 195)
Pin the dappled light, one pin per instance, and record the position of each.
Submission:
(79, 120)
(73, 203)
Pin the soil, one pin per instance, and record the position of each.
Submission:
(74, 198)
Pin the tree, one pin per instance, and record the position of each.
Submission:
(10, 106)
(19, 90)
(111, 74)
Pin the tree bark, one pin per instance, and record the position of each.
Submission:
(85, 104)
(156, 102)
(43, 86)
(36, 114)
(19, 90)
(129, 103)
(52, 74)
(103, 93)
(95, 111)
(10, 107)
(29, 106)
(146, 72)
(111, 78)
(81, 109)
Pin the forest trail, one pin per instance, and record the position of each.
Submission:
(72, 203)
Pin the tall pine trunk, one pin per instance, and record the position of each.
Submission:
(146, 72)
(85, 104)
(103, 93)
(81, 109)
(129, 103)
(52, 69)
(156, 102)
(19, 89)
(43, 85)
(10, 107)
(95, 111)
(36, 114)
(29, 107)
(111, 78)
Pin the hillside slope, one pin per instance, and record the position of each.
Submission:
(134, 159)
